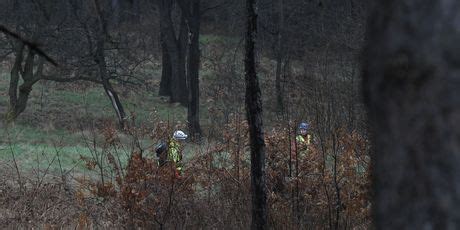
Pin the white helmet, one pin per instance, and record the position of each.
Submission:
(179, 135)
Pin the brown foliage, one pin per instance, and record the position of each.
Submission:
(325, 187)
(329, 188)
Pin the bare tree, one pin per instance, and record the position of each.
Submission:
(254, 116)
(29, 58)
(83, 52)
(103, 54)
(411, 90)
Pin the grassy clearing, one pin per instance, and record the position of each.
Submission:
(50, 131)
(42, 156)
(47, 137)
(53, 150)
(64, 102)
(57, 114)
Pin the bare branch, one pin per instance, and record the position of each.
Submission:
(30, 44)
(223, 3)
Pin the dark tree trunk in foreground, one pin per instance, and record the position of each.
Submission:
(254, 116)
(412, 91)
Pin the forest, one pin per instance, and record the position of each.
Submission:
(229, 114)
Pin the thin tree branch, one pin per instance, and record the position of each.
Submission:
(204, 11)
(30, 44)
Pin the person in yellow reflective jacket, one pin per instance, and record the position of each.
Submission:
(303, 139)
(175, 149)
(171, 152)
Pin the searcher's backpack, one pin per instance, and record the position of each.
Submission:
(162, 152)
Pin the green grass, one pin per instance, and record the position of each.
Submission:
(94, 103)
(55, 111)
(33, 148)
(42, 156)
(27, 134)
(42, 132)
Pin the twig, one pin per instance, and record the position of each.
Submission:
(14, 161)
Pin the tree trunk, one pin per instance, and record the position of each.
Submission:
(254, 116)
(102, 64)
(180, 89)
(193, 112)
(14, 82)
(166, 72)
(19, 94)
(175, 53)
(279, 60)
(29, 79)
(411, 87)
(115, 5)
(136, 11)
(111, 93)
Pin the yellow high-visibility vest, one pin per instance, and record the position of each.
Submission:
(174, 153)
(303, 140)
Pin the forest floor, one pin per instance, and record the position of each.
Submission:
(51, 138)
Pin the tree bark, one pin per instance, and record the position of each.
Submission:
(115, 5)
(175, 52)
(111, 93)
(194, 57)
(254, 116)
(166, 72)
(411, 88)
(29, 79)
(14, 82)
(279, 59)
(180, 89)
(19, 94)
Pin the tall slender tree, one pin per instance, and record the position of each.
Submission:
(254, 117)
(411, 85)
(173, 81)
